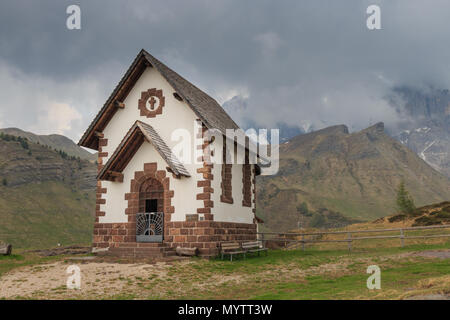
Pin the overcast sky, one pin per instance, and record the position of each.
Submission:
(298, 61)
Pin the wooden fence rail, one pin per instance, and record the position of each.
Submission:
(291, 237)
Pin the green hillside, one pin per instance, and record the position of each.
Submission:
(46, 196)
(43, 215)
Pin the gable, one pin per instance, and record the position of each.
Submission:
(172, 116)
(205, 108)
(138, 134)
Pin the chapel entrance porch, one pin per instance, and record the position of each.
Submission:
(150, 218)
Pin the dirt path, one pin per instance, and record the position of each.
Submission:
(441, 254)
(98, 279)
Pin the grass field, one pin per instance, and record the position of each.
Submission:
(283, 274)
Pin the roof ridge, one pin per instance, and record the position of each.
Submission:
(179, 75)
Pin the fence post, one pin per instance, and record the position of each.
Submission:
(402, 238)
(303, 242)
(349, 241)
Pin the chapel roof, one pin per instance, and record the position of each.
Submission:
(205, 107)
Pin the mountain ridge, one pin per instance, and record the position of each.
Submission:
(355, 174)
(55, 141)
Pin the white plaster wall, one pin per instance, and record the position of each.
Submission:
(226, 212)
(234, 212)
(184, 190)
(176, 114)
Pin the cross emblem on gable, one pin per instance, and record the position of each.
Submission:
(152, 102)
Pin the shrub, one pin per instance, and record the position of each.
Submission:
(317, 221)
(303, 208)
(398, 217)
(426, 221)
(24, 143)
(443, 215)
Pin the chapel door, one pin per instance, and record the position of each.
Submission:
(150, 219)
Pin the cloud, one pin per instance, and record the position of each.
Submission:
(58, 116)
(43, 105)
(295, 61)
(324, 103)
(270, 42)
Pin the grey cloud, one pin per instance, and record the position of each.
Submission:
(294, 60)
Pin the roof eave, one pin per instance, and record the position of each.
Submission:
(89, 140)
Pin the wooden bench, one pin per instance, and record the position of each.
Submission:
(253, 246)
(230, 248)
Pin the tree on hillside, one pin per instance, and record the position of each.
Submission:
(302, 209)
(317, 220)
(405, 203)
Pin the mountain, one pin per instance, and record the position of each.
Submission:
(353, 174)
(46, 196)
(55, 141)
(427, 128)
(431, 143)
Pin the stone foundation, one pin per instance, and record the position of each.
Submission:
(120, 238)
(207, 235)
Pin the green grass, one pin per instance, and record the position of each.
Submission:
(397, 275)
(397, 278)
(282, 274)
(23, 259)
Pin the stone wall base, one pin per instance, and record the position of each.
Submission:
(205, 235)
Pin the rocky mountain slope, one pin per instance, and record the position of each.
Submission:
(354, 174)
(424, 126)
(46, 196)
(55, 141)
(426, 130)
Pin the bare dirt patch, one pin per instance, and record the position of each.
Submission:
(98, 279)
(440, 254)
(430, 297)
(63, 251)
